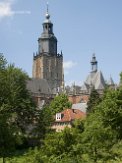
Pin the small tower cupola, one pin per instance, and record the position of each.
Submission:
(47, 25)
(47, 42)
(94, 63)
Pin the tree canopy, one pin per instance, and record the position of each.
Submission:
(96, 139)
(94, 100)
(16, 105)
(59, 103)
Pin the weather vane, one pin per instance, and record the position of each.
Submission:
(47, 7)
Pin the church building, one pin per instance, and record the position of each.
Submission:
(94, 79)
(47, 72)
(48, 76)
(47, 63)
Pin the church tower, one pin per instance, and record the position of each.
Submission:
(47, 63)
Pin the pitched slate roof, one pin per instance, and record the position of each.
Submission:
(95, 79)
(85, 87)
(69, 115)
(38, 86)
(80, 106)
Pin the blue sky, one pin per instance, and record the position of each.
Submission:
(82, 27)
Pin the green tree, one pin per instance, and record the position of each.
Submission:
(96, 139)
(110, 110)
(121, 78)
(44, 122)
(59, 143)
(15, 98)
(3, 62)
(93, 101)
(116, 151)
(59, 103)
(7, 139)
(16, 105)
(103, 128)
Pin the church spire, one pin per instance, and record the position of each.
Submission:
(93, 63)
(47, 15)
(47, 63)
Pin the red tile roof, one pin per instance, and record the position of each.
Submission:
(69, 115)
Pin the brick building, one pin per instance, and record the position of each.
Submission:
(66, 118)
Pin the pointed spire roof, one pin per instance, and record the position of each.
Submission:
(84, 87)
(110, 82)
(96, 79)
(99, 81)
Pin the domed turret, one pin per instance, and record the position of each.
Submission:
(47, 41)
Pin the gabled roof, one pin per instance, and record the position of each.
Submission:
(69, 115)
(85, 87)
(96, 79)
(38, 86)
(99, 81)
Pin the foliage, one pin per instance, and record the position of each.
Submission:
(98, 138)
(30, 155)
(59, 143)
(44, 122)
(103, 128)
(59, 103)
(7, 139)
(121, 78)
(15, 98)
(46, 115)
(16, 106)
(93, 101)
(110, 111)
(3, 62)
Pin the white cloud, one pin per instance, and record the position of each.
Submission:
(69, 64)
(21, 12)
(7, 11)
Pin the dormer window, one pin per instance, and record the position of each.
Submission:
(58, 116)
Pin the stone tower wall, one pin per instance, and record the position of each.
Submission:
(50, 68)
